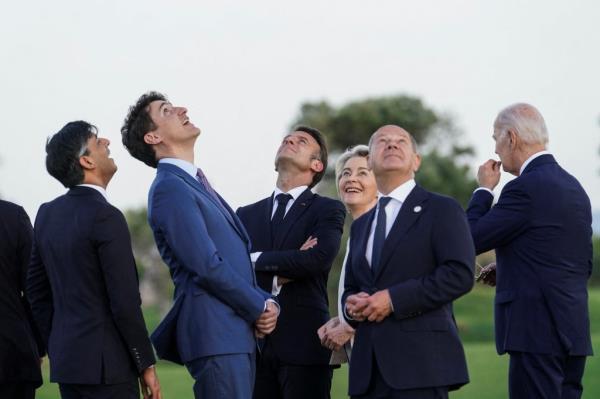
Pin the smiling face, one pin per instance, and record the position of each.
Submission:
(98, 159)
(392, 152)
(172, 123)
(356, 184)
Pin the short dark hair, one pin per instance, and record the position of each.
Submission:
(320, 139)
(63, 150)
(137, 123)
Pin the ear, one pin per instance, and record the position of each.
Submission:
(152, 138)
(512, 139)
(416, 163)
(87, 162)
(316, 165)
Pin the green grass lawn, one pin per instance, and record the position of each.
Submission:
(488, 371)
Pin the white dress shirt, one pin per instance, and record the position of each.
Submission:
(295, 193)
(189, 168)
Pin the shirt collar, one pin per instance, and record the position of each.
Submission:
(294, 192)
(101, 190)
(189, 168)
(401, 192)
(531, 158)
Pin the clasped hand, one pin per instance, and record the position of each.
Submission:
(363, 306)
(267, 321)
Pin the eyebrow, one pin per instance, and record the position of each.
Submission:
(163, 104)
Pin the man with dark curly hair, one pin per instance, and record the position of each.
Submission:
(218, 305)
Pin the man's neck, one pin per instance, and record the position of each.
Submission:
(389, 182)
(287, 180)
(89, 178)
(525, 153)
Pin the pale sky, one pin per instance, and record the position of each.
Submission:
(243, 68)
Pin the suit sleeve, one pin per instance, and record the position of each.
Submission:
(296, 264)
(113, 243)
(39, 293)
(493, 227)
(175, 212)
(25, 238)
(350, 285)
(452, 277)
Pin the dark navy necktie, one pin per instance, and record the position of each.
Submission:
(282, 201)
(379, 238)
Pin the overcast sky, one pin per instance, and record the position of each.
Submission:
(243, 68)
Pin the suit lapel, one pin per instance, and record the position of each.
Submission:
(299, 206)
(195, 184)
(362, 262)
(410, 211)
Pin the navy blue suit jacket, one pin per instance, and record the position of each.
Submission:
(427, 261)
(304, 304)
(541, 231)
(206, 249)
(83, 288)
(20, 344)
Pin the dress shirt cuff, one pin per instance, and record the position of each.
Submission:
(346, 313)
(275, 288)
(484, 189)
(276, 305)
(254, 257)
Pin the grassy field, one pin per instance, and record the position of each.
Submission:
(488, 371)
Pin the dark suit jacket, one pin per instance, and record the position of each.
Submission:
(541, 231)
(83, 289)
(206, 248)
(20, 345)
(427, 262)
(304, 304)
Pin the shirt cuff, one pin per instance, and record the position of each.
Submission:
(276, 305)
(275, 288)
(254, 257)
(484, 189)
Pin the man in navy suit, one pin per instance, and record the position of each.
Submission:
(218, 305)
(82, 281)
(409, 258)
(21, 346)
(541, 231)
(295, 237)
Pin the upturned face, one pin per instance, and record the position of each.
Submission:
(172, 123)
(356, 185)
(99, 153)
(392, 151)
(301, 149)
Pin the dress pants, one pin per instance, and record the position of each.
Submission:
(127, 390)
(537, 376)
(223, 376)
(275, 380)
(17, 391)
(379, 389)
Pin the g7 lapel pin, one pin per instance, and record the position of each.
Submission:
(417, 209)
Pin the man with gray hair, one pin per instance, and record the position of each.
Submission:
(541, 231)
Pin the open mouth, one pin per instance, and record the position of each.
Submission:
(186, 121)
(354, 190)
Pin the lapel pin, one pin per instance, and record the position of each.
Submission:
(417, 209)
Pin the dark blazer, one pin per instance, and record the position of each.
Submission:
(206, 248)
(541, 231)
(427, 262)
(83, 289)
(304, 304)
(20, 345)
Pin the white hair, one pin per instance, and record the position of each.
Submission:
(525, 120)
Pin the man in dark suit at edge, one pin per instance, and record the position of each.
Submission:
(295, 237)
(21, 346)
(409, 258)
(82, 281)
(541, 231)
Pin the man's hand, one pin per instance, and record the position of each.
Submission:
(149, 384)
(268, 319)
(379, 306)
(334, 321)
(355, 304)
(487, 275)
(337, 336)
(309, 243)
(488, 174)
(283, 280)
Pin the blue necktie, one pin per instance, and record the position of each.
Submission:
(379, 238)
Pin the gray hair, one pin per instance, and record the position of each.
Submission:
(525, 120)
(359, 150)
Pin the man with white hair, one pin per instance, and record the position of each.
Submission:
(541, 231)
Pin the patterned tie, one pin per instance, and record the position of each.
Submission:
(204, 182)
(277, 221)
(379, 238)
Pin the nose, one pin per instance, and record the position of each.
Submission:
(288, 140)
(392, 144)
(105, 141)
(181, 110)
